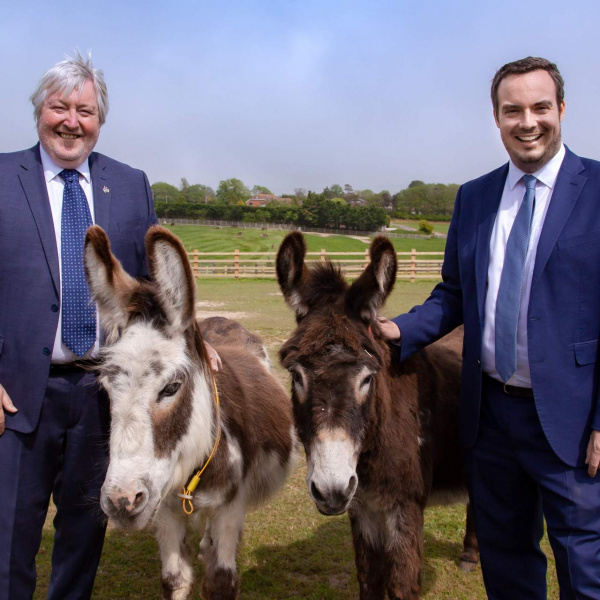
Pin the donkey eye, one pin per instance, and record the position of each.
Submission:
(170, 389)
(297, 378)
(367, 381)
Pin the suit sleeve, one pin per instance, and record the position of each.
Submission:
(443, 310)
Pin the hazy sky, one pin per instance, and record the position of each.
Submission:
(302, 93)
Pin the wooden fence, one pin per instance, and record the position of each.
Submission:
(412, 265)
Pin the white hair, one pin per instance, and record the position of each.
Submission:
(67, 75)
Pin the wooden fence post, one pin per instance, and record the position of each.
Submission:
(236, 264)
(195, 263)
(323, 254)
(413, 264)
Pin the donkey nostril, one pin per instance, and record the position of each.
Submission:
(316, 494)
(351, 486)
(138, 498)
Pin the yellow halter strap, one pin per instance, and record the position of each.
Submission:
(186, 493)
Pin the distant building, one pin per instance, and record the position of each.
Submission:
(261, 200)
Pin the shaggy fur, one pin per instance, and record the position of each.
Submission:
(395, 424)
(165, 421)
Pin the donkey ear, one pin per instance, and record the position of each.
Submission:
(369, 292)
(110, 286)
(171, 270)
(291, 271)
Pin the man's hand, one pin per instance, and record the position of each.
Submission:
(5, 404)
(592, 458)
(213, 357)
(389, 329)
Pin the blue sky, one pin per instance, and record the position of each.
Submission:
(300, 93)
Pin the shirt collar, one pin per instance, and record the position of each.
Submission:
(546, 175)
(52, 170)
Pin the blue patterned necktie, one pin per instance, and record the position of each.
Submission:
(509, 292)
(78, 310)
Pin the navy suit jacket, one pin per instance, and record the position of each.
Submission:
(563, 319)
(29, 270)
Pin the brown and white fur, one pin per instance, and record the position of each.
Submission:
(381, 437)
(164, 421)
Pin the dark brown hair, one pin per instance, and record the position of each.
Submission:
(526, 65)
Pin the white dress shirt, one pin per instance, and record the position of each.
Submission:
(512, 196)
(55, 186)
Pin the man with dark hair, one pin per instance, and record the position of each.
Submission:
(522, 273)
(54, 420)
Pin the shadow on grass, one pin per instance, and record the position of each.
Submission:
(318, 567)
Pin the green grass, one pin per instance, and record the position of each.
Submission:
(438, 226)
(227, 239)
(289, 551)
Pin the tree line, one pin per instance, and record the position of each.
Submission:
(335, 206)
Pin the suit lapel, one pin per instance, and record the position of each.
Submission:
(101, 185)
(36, 193)
(569, 184)
(487, 205)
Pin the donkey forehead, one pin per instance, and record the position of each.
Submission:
(143, 351)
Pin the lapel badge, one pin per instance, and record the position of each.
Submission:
(105, 190)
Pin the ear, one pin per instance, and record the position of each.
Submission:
(110, 286)
(291, 271)
(171, 270)
(369, 292)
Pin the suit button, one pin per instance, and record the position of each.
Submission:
(54, 308)
(46, 351)
(478, 362)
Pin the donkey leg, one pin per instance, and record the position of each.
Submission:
(369, 555)
(221, 581)
(405, 551)
(177, 573)
(470, 554)
(206, 540)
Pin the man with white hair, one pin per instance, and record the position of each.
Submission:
(54, 419)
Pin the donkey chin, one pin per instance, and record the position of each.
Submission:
(130, 506)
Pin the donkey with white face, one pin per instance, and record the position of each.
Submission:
(165, 418)
(381, 437)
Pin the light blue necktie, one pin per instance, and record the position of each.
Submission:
(509, 292)
(78, 310)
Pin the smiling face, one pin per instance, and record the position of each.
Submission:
(69, 126)
(529, 118)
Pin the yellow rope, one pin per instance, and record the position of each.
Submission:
(186, 493)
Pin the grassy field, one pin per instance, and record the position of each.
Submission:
(227, 239)
(289, 551)
(438, 226)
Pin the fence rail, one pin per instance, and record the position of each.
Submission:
(412, 265)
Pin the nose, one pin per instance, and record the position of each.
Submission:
(124, 502)
(528, 120)
(333, 500)
(71, 119)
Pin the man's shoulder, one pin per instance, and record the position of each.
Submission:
(114, 166)
(483, 180)
(20, 157)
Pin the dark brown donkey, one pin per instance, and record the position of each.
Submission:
(381, 437)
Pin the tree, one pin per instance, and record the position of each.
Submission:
(165, 192)
(416, 183)
(232, 191)
(261, 189)
(198, 193)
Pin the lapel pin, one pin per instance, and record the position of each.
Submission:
(105, 190)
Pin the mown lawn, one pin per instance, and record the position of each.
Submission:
(227, 239)
(289, 551)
